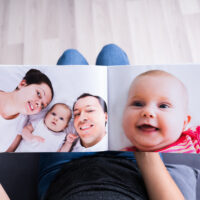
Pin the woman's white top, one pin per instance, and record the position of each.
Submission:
(9, 129)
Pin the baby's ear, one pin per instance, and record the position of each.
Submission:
(22, 84)
(186, 121)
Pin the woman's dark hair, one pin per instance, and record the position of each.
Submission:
(101, 101)
(34, 76)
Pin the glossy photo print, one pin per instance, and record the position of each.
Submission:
(50, 109)
(157, 108)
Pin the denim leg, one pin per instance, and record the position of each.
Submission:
(72, 57)
(112, 55)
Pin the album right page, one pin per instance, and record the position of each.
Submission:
(154, 108)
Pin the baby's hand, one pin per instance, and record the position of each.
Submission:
(38, 138)
(71, 137)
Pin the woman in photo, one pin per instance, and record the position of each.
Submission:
(33, 94)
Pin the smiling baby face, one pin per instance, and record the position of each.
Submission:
(156, 111)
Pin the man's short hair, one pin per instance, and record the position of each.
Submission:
(100, 99)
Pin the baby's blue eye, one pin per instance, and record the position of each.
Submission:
(61, 118)
(137, 103)
(53, 113)
(163, 105)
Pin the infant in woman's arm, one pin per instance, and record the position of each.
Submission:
(48, 134)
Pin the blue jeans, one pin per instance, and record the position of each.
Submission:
(110, 55)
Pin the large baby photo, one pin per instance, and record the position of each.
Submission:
(53, 108)
(156, 107)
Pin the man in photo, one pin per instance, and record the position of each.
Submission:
(90, 119)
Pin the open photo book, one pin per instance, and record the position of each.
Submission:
(80, 96)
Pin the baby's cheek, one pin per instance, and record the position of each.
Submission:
(128, 129)
(125, 123)
(174, 132)
(127, 116)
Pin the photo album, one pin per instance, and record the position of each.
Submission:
(99, 108)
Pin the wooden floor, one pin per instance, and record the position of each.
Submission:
(150, 31)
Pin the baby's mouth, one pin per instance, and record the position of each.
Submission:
(54, 123)
(147, 128)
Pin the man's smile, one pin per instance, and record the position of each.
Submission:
(86, 127)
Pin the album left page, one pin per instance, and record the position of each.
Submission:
(53, 108)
